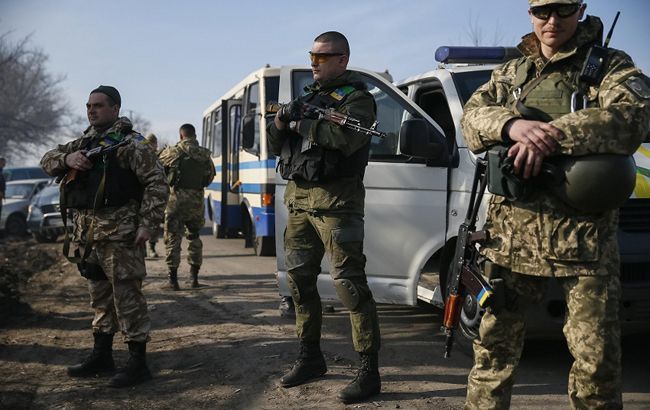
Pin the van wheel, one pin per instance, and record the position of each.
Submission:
(16, 225)
(263, 245)
(470, 317)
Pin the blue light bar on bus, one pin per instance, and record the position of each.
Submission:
(476, 55)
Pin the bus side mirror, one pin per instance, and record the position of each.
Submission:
(248, 131)
(418, 138)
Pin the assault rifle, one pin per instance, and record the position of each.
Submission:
(465, 278)
(71, 175)
(329, 114)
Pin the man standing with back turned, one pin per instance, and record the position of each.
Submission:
(325, 164)
(189, 169)
(119, 198)
(541, 237)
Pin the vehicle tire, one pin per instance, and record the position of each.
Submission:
(217, 230)
(16, 225)
(263, 245)
(470, 317)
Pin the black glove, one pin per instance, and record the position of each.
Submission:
(290, 112)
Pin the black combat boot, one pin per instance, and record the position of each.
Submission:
(173, 279)
(287, 308)
(152, 250)
(136, 370)
(310, 365)
(194, 271)
(366, 383)
(100, 359)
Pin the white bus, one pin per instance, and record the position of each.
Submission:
(240, 200)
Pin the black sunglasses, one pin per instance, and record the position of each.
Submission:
(561, 10)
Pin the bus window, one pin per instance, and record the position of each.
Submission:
(299, 80)
(272, 88)
(217, 133)
(252, 118)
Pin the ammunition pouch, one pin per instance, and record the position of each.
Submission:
(502, 180)
(501, 177)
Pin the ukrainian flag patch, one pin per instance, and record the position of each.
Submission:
(340, 93)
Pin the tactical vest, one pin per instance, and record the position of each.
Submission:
(120, 184)
(189, 174)
(547, 97)
(300, 159)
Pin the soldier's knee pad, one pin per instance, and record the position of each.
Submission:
(348, 293)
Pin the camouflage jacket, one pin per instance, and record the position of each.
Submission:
(169, 158)
(346, 194)
(118, 223)
(544, 237)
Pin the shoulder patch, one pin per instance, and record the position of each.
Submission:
(341, 92)
(639, 86)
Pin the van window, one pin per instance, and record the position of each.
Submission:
(470, 81)
(431, 98)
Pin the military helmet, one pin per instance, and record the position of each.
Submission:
(535, 3)
(595, 183)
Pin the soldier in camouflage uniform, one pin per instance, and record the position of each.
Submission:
(325, 164)
(152, 142)
(189, 170)
(118, 200)
(543, 237)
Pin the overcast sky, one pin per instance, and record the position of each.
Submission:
(171, 60)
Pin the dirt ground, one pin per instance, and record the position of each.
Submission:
(225, 346)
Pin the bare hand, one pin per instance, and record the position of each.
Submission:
(536, 135)
(142, 235)
(77, 160)
(534, 140)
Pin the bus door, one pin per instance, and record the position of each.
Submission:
(230, 123)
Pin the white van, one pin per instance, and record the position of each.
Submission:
(414, 206)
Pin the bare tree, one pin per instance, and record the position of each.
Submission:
(140, 124)
(474, 33)
(32, 107)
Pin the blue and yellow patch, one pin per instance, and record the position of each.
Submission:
(341, 92)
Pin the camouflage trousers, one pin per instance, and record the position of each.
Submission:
(306, 239)
(118, 302)
(591, 329)
(186, 220)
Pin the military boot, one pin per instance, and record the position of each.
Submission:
(100, 359)
(173, 279)
(287, 308)
(366, 383)
(310, 365)
(194, 272)
(136, 370)
(152, 250)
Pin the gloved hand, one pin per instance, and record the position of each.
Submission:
(290, 112)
